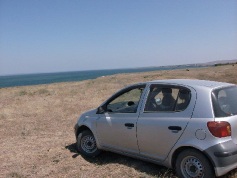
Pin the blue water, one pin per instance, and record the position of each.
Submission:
(46, 78)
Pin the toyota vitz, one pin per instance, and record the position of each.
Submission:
(187, 125)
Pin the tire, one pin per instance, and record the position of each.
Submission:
(86, 144)
(193, 164)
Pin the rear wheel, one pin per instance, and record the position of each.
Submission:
(86, 144)
(193, 164)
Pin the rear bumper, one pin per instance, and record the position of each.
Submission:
(223, 157)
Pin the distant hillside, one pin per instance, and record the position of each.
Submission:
(206, 64)
(221, 62)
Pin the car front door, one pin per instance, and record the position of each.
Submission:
(117, 122)
(166, 113)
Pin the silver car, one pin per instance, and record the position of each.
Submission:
(187, 125)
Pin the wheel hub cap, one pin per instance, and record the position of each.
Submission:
(192, 167)
(88, 144)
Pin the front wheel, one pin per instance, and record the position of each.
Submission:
(192, 164)
(86, 144)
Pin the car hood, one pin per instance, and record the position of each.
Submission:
(88, 114)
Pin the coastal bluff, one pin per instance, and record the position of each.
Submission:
(36, 126)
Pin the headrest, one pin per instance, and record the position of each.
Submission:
(166, 90)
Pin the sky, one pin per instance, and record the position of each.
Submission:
(41, 36)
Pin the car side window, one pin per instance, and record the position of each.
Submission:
(167, 98)
(183, 100)
(127, 102)
(225, 101)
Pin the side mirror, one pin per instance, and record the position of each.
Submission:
(101, 110)
(130, 103)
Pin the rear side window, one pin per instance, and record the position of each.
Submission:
(225, 101)
(167, 98)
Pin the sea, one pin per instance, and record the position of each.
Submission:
(47, 78)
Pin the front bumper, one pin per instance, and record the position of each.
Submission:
(223, 157)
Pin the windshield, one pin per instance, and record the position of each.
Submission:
(225, 101)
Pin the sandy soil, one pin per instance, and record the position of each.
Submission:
(36, 126)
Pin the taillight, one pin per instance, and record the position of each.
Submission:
(219, 129)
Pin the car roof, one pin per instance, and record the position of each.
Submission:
(192, 83)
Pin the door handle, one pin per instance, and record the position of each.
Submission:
(129, 124)
(175, 128)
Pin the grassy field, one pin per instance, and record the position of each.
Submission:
(36, 126)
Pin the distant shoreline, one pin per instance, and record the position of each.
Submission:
(48, 78)
(76, 76)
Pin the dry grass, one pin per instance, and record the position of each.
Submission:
(36, 126)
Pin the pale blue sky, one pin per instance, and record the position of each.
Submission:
(70, 35)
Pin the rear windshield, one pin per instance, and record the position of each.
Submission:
(225, 101)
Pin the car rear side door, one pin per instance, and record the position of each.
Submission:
(159, 127)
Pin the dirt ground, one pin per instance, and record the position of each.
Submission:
(36, 126)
